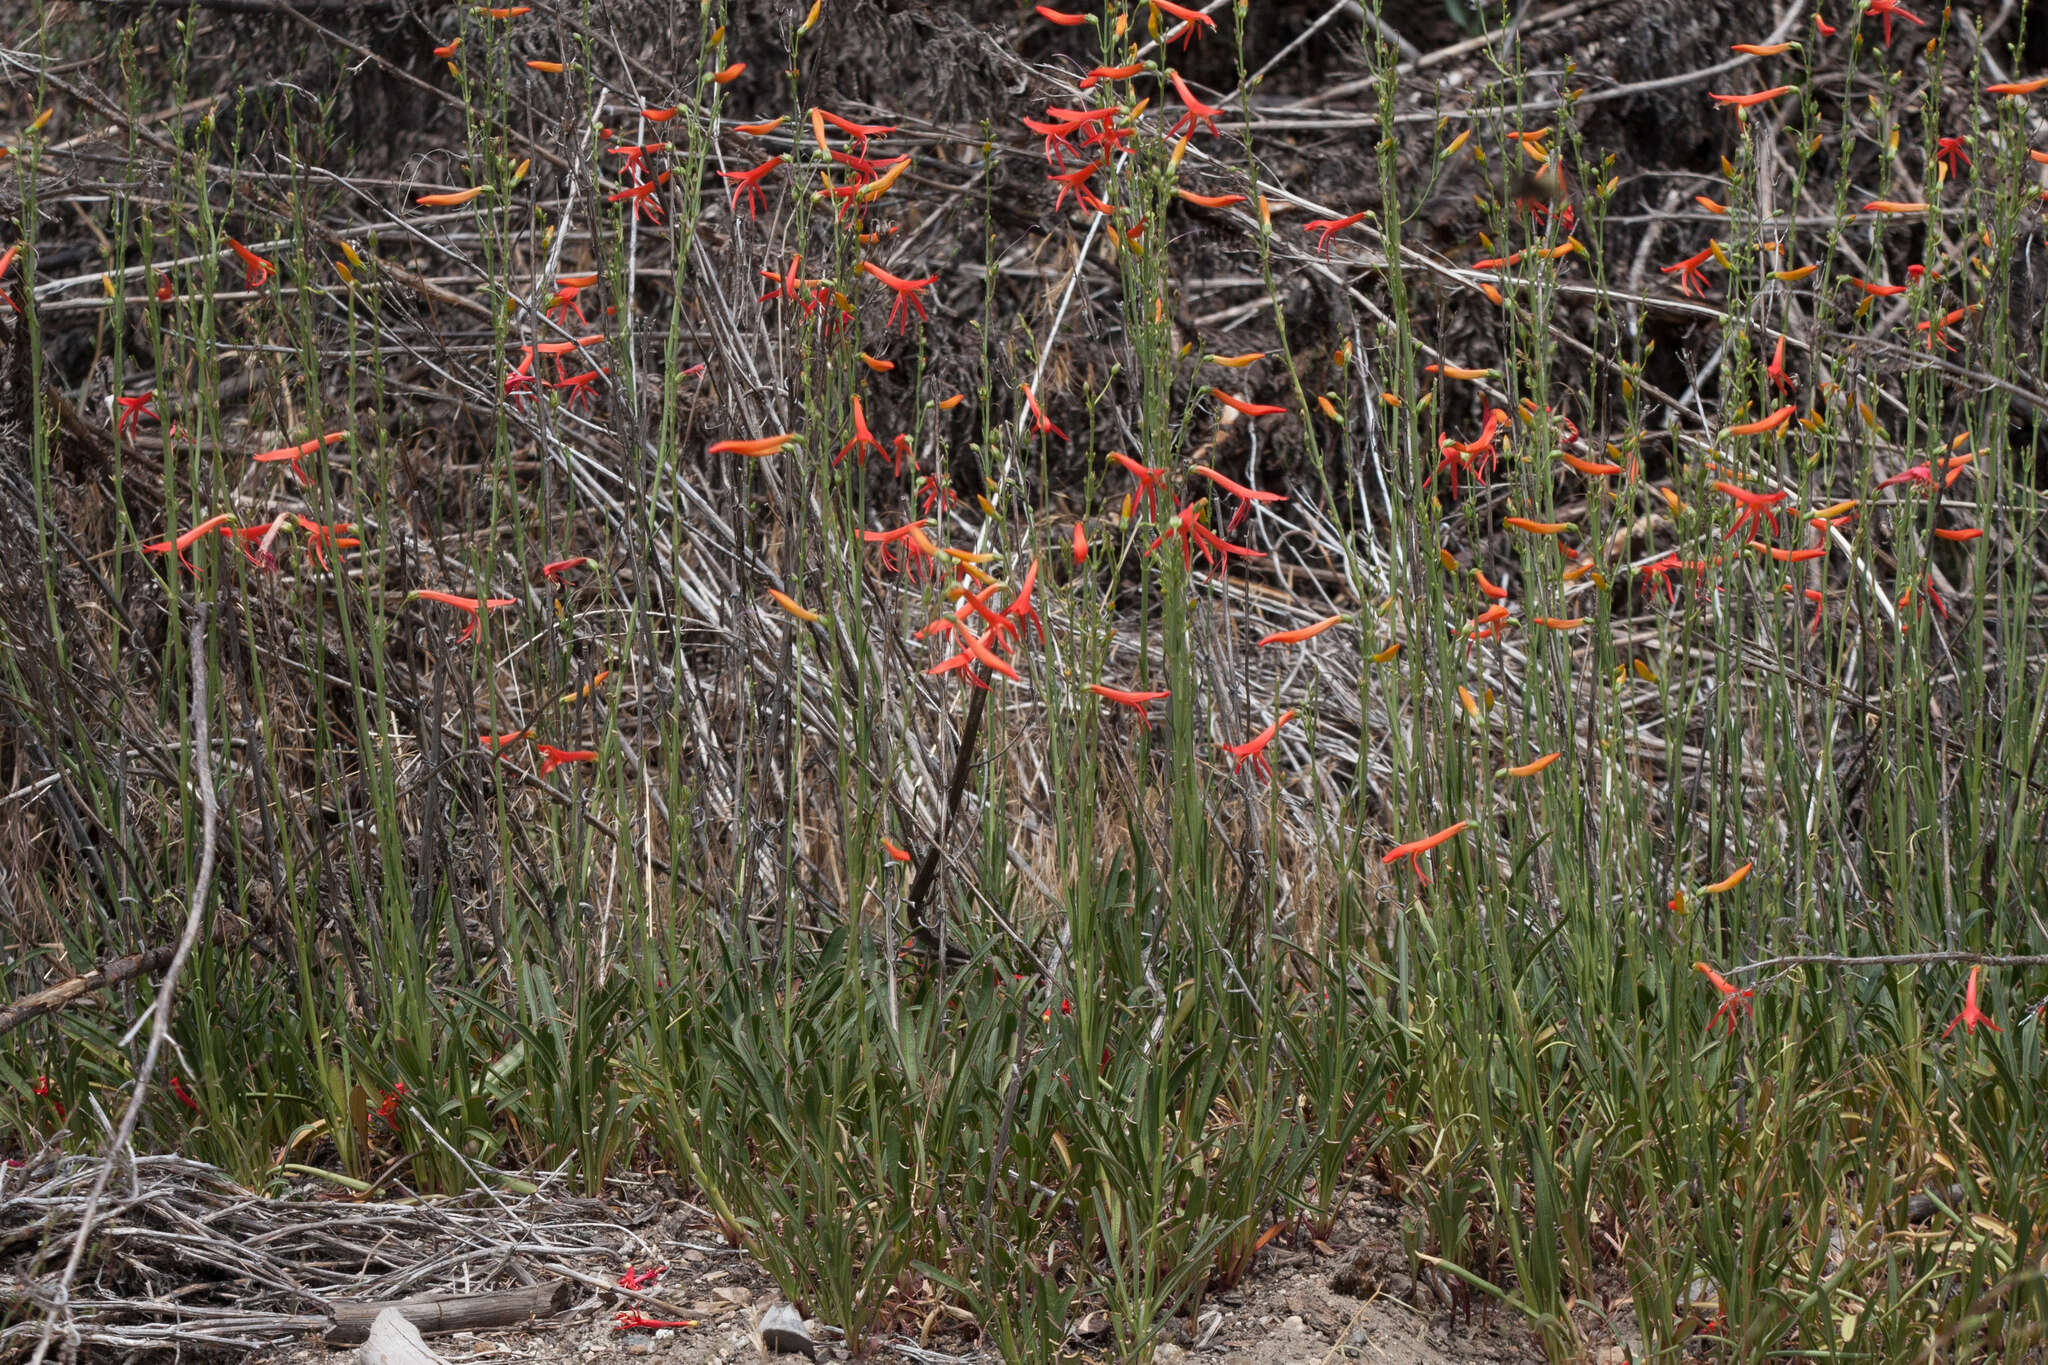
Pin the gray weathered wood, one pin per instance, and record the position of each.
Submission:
(783, 1332)
(394, 1341)
(453, 1312)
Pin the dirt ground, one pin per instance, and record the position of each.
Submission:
(1347, 1299)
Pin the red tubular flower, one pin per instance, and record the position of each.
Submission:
(1476, 457)
(257, 540)
(1939, 328)
(474, 606)
(759, 447)
(634, 167)
(1750, 101)
(1815, 596)
(255, 270)
(1950, 153)
(641, 1279)
(961, 663)
(1186, 524)
(567, 288)
(1198, 113)
(552, 758)
(1076, 183)
(1061, 126)
(184, 542)
(1776, 369)
(974, 649)
(1137, 701)
(859, 132)
(977, 603)
(1484, 626)
(1080, 544)
(1734, 1003)
(320, 539)
(1922, 475)
(1253, 750)
(749, 183)
(862, 438)
(1249, 409)
(908, 537)
(582, 387)
(1415, 848)
(1020, 609)
(1691, 276)
(1309, 632)
(1110, 73)
(640, 1322)
(184, 1098)
(866, 171)
(1659, 574)
(1807, 555)
(1889, 10)
(1190, 19)
(1756, 508)
(794, 288)
(293, 454)
(1149, 480)
(1045, 426)
(1929, 594)
(553, 572)
(1056, 137)
(561, 350)
(1245, 496)
(906, 294)
(1214, 548)
(1329, 227)
(1971, 1016)
(1060, 17)
(935, 496)
(134, 408)
(519, 379)
(642, 198)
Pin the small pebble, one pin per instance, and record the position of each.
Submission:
(1293, 1323)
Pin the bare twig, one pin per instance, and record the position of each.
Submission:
(1893, 960)
(63, 993)
(59, 1308)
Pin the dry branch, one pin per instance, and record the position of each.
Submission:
(353, 1322)
(47, 1001)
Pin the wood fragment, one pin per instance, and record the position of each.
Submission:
(53, 998)
(355, 1322)
(393, 1340)
(783, 1333)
